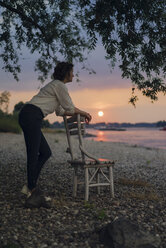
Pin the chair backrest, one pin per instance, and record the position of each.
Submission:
(75, 125)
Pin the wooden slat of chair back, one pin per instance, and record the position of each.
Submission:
(72, 123)
(74, 126)
(73, 119)
(76, 132)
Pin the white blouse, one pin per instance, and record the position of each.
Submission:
(53, 97)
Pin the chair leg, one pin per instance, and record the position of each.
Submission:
(86, 184)
(111, 181)
(75, 182)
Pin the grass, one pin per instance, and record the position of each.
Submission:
(88, 205)
(151, 196)
(99, 213)
(148, 162)
(134, 183)
(148, 191)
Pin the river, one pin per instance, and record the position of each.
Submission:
(148, 137)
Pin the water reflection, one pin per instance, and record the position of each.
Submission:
(149, 137)
(101, 136)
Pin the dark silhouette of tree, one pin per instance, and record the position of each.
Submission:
(161, 124)
(17, 107)
(132, 33)
(45, 124)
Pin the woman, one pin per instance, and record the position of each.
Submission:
(52, 97)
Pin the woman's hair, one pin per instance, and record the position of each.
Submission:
(62, 70)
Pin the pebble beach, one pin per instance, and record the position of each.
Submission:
(140, 195)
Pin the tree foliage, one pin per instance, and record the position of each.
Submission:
(132, 33)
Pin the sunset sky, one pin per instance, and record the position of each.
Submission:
(103, 91)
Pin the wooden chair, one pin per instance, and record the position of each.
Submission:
(98, 172)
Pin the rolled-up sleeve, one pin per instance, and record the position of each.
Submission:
(60, 111)
(64, 99)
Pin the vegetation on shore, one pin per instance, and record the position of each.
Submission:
(9, 123)
(53, 130)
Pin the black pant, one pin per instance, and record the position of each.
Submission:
(38, 150)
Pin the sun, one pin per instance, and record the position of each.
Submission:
(100, 113)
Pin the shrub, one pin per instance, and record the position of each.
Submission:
(9, 123)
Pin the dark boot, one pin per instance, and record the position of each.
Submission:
(36, 200)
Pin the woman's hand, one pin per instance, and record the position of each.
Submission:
(88, 118)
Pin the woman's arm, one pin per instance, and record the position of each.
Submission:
(87, 116)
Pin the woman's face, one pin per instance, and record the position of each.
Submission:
(70, 76)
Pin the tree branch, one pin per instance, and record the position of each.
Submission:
(22, 15)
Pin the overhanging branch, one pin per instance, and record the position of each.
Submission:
(22, 15)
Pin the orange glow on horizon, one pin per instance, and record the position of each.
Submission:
(113, 102)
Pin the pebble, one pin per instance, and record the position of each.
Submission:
(43, 246)
(70, 222)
